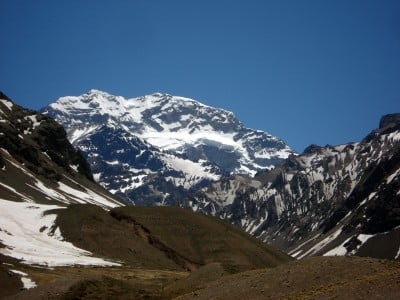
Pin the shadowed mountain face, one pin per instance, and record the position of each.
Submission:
(38, 142)
(332, 200)
(157, 148)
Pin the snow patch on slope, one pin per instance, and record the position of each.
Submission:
(189, 167)
(28, 232)
(7, 103)
(26, 281)
(322, 243)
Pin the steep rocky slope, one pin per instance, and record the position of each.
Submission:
(332, 200)
(157, 148)
(38, 164)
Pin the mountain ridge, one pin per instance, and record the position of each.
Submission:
(310, 202)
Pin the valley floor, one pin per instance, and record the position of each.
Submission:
(87, 283)
(310, 278)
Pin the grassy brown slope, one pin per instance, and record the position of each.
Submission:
(10, 283)
(195, 281)
(152, 242)
(91, 228)
(311, 278)
(96, 283)
(168, 238)
(203, 239)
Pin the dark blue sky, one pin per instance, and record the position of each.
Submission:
(307, 71)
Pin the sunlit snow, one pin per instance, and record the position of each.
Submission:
(7, 103)
(27, 232)
(26, 281)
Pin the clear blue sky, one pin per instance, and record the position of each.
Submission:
(307, 71)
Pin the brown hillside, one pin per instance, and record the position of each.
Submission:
(202, 239)
(311, 278)
(164, 238)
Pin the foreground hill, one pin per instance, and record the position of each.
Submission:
(146, 248)
(164, 238)
(311, 278)
(332, 200)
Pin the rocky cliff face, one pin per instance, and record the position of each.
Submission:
(329, 200)
(157, 148)
(32, 139)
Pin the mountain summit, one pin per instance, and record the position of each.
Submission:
(161, 139)
(175, 124)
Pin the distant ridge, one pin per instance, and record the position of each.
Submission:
(332, 200)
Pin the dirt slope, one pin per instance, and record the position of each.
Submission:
(168, 238)
(202, 239)
(311, 278)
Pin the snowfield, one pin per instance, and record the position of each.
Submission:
(28, 232)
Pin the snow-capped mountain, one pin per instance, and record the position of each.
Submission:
(53, 214)
(151, 148)
(328, 201)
